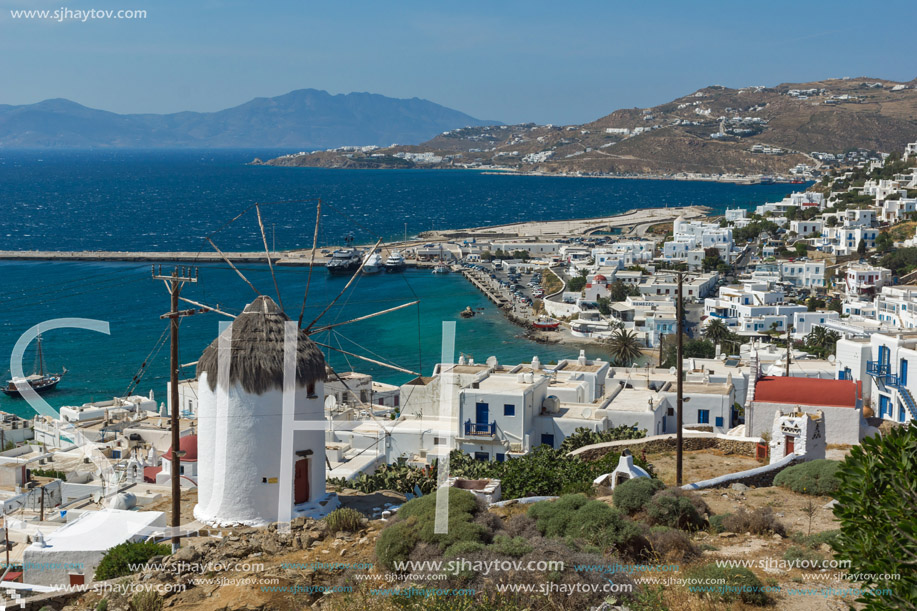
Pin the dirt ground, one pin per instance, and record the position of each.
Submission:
(699, 465)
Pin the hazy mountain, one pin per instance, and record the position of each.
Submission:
(306, 118)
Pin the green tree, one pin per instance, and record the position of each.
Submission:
(577, 283)
(876, 500)
(884, 242)
(118, 561)
(624, 347)
(835, 305)
(801, 249)
(861, 247)
(716, 330)
(604, 305)
(693, 349)
(711, 259)
(619, 291)
(487, 256)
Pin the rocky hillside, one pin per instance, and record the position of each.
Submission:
(715, 130)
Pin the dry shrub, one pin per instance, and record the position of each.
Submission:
(761, 521)
(521, 526)
(670, 544)
(676, 508)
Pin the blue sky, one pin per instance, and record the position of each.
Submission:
(548, 62)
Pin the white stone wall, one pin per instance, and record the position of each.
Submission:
(843, 425)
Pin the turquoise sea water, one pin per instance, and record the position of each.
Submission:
(169, 200)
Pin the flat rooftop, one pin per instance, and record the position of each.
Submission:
(100, 530)
(634, 400)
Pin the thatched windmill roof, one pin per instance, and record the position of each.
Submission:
(256, 360)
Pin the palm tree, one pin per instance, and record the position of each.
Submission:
(716, 330)
(624, 346)
(731, 343)
(817, 337)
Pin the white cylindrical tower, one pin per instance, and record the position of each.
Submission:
(676, 226)
(251, 455)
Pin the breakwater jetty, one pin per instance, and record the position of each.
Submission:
(476, 279)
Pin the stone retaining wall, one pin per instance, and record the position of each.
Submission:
(666, 443)
(760, 476)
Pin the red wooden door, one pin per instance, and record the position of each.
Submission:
(789, 445)
(301, 481)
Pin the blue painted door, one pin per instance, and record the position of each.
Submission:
(883, 406)
(903, 373)
(547, 440)
(901, 409)
(482, 413)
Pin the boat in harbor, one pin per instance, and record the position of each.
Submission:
(373, 264)
(546, 324)
(40, 382)
(441, 268)
(344, 261)
(395, 263)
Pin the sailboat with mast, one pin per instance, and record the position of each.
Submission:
(40, 381)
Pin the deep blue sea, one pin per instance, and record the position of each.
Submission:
(132, 200)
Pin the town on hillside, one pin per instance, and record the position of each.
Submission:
(795, 324)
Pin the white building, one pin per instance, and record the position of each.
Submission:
(69, 555)
(691, 238)
(799, 433)
(752, 309)
(846, 240)
(804, 200)
(882, 363)
(896, 306)
(840, 402)
(863, 279)
(803, 274)
(807, 228)
(262, 454)
(804, 322)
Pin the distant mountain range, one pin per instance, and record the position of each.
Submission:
(302, 119)
(715, 130)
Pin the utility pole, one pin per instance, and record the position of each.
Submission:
(174, 282)
(679, 400)
(789, 329)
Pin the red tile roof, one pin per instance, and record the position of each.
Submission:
(188, 444)
(807, 391)
(149, 474)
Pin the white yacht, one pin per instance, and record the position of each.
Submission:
(395, 262)
(373, 264)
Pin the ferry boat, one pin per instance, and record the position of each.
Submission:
(395, 263)
(372, 264)
(40, 382)
(344, 261)
(546, 324)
